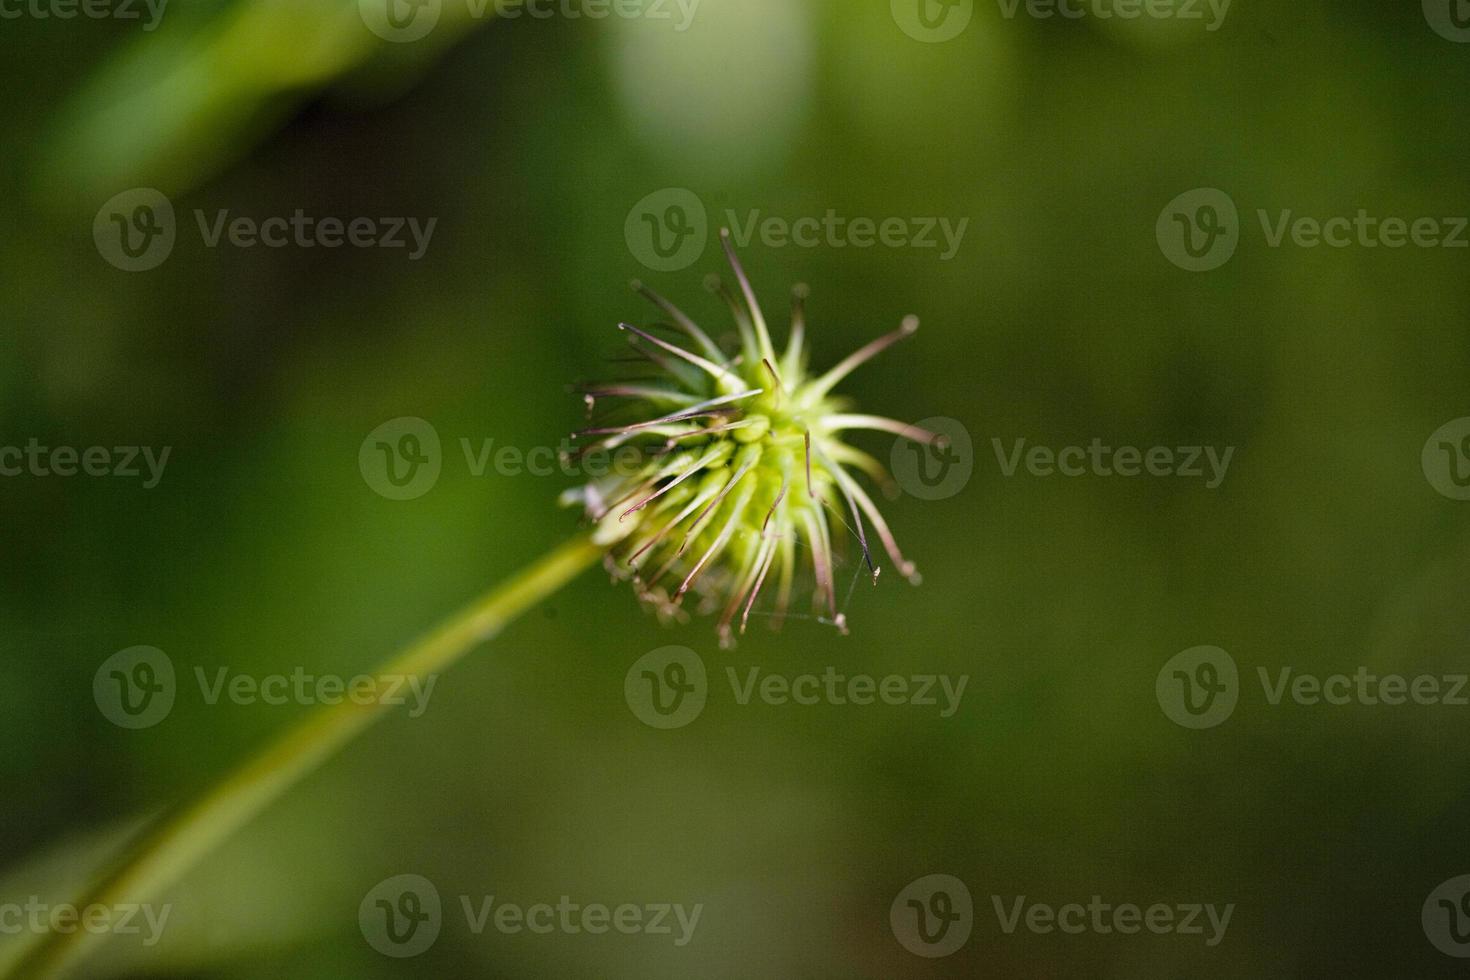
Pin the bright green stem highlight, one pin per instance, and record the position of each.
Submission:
(183, 838)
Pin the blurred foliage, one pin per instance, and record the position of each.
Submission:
(1059, 321)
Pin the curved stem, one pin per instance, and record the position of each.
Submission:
(169, 849)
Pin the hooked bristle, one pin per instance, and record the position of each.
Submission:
(742, 481)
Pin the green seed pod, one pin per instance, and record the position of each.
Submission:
(744, 469)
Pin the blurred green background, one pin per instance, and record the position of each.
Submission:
(1059, 320)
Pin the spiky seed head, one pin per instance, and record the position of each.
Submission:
(742, 480)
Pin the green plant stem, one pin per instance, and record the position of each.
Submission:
(168, 850)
